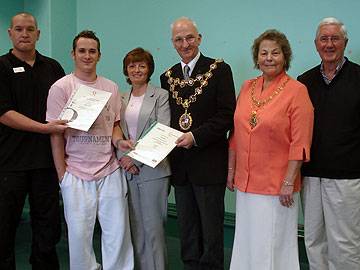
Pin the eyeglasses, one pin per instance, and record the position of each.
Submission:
(179, 40)
(333, 39)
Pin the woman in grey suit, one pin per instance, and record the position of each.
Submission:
(148, 187)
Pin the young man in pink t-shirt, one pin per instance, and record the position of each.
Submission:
(88, 171)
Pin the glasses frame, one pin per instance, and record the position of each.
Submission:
(190, 39)
(332, 39)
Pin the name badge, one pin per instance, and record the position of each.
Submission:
(19, 69)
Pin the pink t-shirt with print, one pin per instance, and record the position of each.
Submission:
(88, 155)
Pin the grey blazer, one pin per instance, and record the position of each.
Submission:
(155, 107)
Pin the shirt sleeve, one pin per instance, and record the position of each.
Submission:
(55, 102)
(117, 103)
(6, 103)
(301, 120)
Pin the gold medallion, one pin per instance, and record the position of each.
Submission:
(185, 121)
(253, 119)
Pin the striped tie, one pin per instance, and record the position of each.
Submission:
(186, 72)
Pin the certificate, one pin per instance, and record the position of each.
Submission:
(155, 145)
(83, 107)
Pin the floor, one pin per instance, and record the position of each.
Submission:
(23, 246)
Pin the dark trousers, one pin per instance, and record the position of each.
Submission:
(42, 187)
(200, 211)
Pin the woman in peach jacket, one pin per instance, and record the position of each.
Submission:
(272, 136)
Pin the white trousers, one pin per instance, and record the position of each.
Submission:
(332, 223)
(265, 233)
(105, 199)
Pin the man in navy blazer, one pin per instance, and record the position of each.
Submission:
(202, 104)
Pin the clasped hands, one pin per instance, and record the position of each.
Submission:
(126, 162)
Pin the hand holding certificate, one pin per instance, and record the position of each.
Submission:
(83, 107)
(155, 145)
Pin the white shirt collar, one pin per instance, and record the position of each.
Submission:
(191, 64)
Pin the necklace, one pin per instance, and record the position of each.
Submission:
(257, 104)
(185, 119)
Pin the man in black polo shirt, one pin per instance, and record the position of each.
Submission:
(26, 165)
(331, 186)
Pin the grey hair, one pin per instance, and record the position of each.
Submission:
(334, 21)
(183, 18)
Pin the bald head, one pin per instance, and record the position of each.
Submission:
(24, 34)
(184, 22)
(186, 38)
(23, 15)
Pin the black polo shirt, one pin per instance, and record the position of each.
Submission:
(24, 89)
(335, 150)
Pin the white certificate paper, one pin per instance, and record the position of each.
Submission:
(155, 145)
(83, 107)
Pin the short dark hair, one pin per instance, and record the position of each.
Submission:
(24, 14)
(138, 55)
(280, 39)
(86, 34)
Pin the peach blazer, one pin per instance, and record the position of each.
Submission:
(283, 133)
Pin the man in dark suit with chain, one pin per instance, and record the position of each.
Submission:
(202, 104)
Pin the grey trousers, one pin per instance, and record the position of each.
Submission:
(148, 213)
(332, 223)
